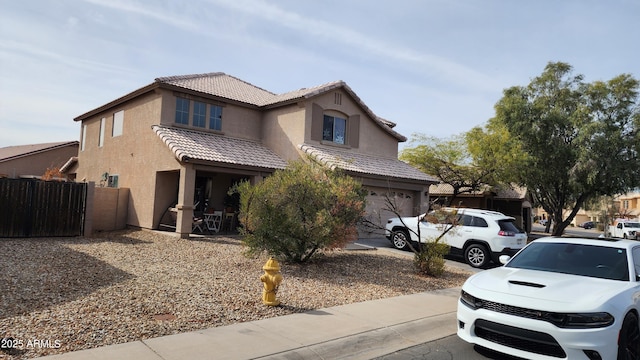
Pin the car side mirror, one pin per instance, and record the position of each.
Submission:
(504, 259)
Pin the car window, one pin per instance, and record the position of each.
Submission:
(466, 220)
(479, 222)
(577, 259)
(509, 225)
(636, 260)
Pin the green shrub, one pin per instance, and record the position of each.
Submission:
(429, 259)
(297, 211)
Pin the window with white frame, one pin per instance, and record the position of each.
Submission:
(182, 111)
(103, 122)
(199, 114)
(334, 129)
(84, 137)
(118, 121)
(215, 117)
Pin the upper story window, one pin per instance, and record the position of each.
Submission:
(215, 118)
(118, 122)
(84, 137)
(182, 111)
(334, 129)
(199, 114)
(103, 122)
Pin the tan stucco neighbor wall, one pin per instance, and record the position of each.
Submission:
(37, 164)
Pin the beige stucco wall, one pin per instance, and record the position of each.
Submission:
(135, 156)
(37, 164)
(110, 209)
(283, 130)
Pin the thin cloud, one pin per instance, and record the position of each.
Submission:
(433, 65)
(30, 52)
(166, 17)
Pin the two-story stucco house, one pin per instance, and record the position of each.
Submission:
(183, 141)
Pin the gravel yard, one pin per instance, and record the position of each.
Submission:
(65, 294)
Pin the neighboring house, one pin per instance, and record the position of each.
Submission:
(32, 161)
(512, 201)
(629, 205)
(183, 141)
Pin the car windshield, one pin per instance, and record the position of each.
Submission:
(577, 259)
(632, 224)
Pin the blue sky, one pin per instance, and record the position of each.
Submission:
(432, 66)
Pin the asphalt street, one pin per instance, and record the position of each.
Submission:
(449, 348)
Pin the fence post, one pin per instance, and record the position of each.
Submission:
(88, 211)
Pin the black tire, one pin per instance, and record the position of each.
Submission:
(477, 256)
(400, 239)
(629, 339)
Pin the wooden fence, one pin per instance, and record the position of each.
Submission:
(36, 208)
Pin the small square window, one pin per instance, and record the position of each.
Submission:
(334, 129)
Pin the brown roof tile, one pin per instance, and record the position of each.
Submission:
(189, 144)
(229, 87)
(507, 192)
(365, 164)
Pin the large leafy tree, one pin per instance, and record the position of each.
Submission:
(467, 162)
(581, 139)
(448, 160)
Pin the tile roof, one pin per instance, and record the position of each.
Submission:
(365, 164)
(511, 192)
(229, 87)
(189, 144)
(12, 152)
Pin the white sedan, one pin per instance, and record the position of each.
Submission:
(558, 298)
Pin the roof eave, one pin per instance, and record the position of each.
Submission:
(130, 96)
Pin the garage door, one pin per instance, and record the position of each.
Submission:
(377, 208)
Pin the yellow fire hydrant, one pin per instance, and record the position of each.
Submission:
(271, 280)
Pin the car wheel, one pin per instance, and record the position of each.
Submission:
(399, 239)
(629, 339)
(624, 236)
(476, 255)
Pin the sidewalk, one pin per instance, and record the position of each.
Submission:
(362, 330)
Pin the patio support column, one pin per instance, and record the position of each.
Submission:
(185, 200)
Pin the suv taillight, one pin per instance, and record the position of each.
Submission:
(506, 233)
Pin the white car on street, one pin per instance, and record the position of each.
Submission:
(479, 235)
(558, 298)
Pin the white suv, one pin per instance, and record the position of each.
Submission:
(479, 236)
